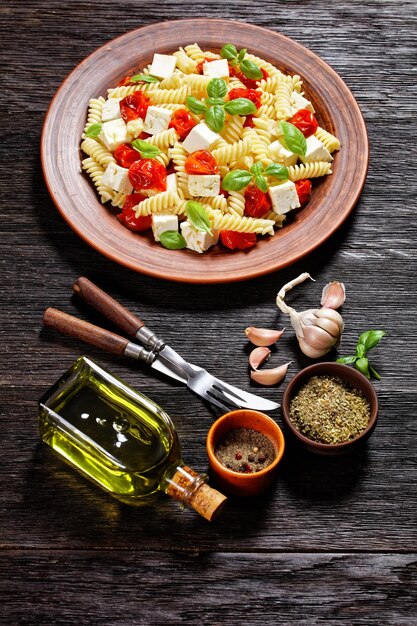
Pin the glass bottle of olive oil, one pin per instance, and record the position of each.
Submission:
(120, 439)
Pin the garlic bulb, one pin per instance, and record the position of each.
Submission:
(317, 330)
(262, 336)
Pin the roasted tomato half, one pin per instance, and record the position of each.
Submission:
(237, 241)
(303, 189)
(134, 106)
(250, 94)
(305, 121)
(148, 174)
(201, 162)
(128, 218)
(182, 122)
(125, 155)
(257, 203)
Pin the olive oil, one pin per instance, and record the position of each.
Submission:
(116, 437)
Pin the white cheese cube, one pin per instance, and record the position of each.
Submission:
(163, 65)
(172, 183)
(205, 185)
(316, 151)
(278, 153)
(117, 178)
(299, 102)
(156, 120)
(197, 240)
(216, 69)
(111, 110)
(113, 134)
(201, 137)
(284, 197)
(162, 223)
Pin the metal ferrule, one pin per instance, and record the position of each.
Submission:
(149, 339)
(139, 353)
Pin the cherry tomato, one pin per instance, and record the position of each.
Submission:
(248, 82)
(250, 94)
(305, 121)
(200, 68)
(125, 155)
(257, 203)
(303, 189)
(249, 122)
(134, 106)
(148, 174)
(201, 162)
(237, 241)
(125, 82)
(182, 122)
(128, 218)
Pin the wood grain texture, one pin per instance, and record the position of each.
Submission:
(335, 542)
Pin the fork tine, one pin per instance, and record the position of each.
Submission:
(217, 393)
(223, 388)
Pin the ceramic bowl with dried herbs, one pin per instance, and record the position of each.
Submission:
(329, 408)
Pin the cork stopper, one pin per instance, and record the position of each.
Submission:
(189, 487)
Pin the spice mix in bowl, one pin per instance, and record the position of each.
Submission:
(330, 408)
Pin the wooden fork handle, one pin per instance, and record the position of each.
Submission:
(94, 335)
(107, 306)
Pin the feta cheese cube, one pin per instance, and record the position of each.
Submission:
(163, 65)
(316, 151)
(201, 137)
(216, 69)
(113, 134)
(117, 178)
(156, 120)
(284, 197)
(172, 183)
(299, 102)
(197, 240)
(162, 223)
(278, 153)
(205, 185)
(111, 110)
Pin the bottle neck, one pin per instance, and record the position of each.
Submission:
(188, 487)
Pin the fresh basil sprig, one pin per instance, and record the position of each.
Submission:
(144, 78)
(247, 67)
(293, 138)
(366, 341)
(173, 240)
(198, 217)
(237, 179)
(147, 150)
(214, 107)
(93, 131)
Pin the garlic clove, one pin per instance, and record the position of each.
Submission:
(262, 336)
(312, 353)
(331, 315)
(319, 339)
(259, 356)
(328, 325)
(270, 377)
(333, 295)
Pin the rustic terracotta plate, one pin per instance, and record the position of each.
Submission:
(333, 198)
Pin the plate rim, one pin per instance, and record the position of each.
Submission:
(239, 275)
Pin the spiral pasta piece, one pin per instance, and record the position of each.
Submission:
(236, 203)
(216, 202)
(95, 107)
(164, 139)
(265, 65)
(259, 146)
(232, 152)
(184, 62)
(119, 199)
(178, 155)
(232, 130)
(173, 82)
(277, 219)
(171, 96)
(267, 110)
(128, 90)
(96, 151)
(95, 172)
(329, 141)
(195, 52)
(228, 221)
(283, 105)
(198, 84)
(309, 170)
(157, 203)
(262, 126)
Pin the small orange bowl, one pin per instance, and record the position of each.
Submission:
(237, 483)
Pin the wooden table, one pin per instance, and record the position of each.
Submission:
(335, 542)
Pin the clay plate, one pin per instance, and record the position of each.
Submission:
(333, 197)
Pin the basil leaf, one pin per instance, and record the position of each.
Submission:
(251, 70)
(260, 182)
(233, 63)
(347, 360)
(374, 372)
(241, 54)
(228, 51)
(217, 88)
(212, 101)
(215, 118)
(277, 170)
(147, 150)
(93, 131)
(371, 338)
(360, 351)
(198, 217)
(256, 168)
(233, 181)
(240, 106)
(294, 138)
(144, 78)
(195, 106)
(173, 240)
(362, 366)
